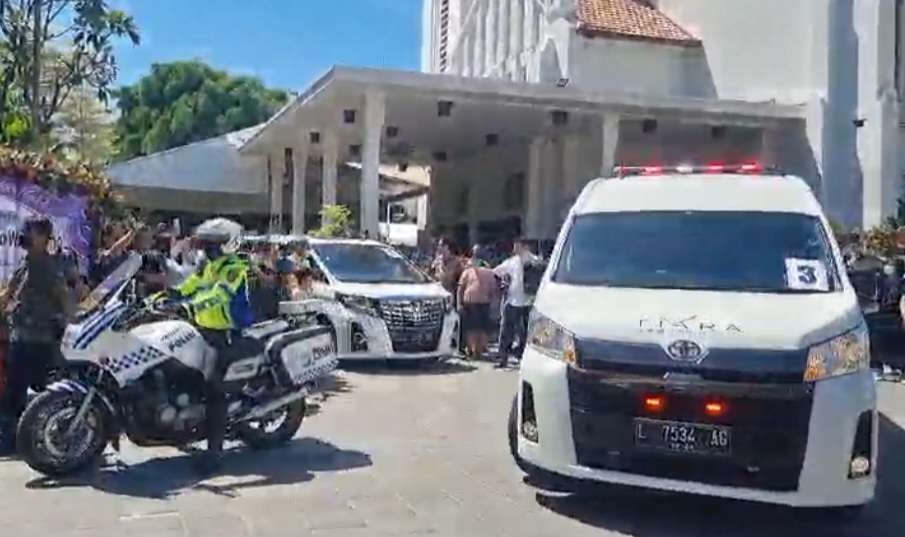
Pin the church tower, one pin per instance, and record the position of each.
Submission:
(441, 22)
(488, 38)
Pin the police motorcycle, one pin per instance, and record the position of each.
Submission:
(132, 368)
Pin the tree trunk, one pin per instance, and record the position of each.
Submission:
(36, 59)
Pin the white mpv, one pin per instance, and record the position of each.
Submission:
(379, 305)
(696, 332)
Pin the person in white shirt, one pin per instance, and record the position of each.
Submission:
(514, 321)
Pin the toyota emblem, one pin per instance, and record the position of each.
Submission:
(685, 351)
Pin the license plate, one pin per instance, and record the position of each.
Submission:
(679, 437)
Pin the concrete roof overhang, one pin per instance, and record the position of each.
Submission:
(513, 111)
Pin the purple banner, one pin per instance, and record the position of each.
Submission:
(20, 200)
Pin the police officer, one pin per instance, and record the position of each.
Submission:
(216, 298)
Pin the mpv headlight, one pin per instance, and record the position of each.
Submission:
(549, 338)
(841, 355)
(357, 303)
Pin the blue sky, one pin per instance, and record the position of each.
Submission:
(287, 43)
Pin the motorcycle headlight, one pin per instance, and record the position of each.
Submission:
(549, 338)
(360, 304)
(839, 356)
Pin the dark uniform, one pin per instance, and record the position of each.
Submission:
(38, 308)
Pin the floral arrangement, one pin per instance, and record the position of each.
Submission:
(55, 175)
(880, 241)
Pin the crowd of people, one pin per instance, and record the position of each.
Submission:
(493, 292)
(43, 295)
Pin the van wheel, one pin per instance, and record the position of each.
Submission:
(535, 476)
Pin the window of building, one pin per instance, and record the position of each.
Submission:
(443, 48)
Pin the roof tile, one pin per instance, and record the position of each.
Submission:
(634, 19)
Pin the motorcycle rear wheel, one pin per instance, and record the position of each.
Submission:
(258, 435)
(44, 446)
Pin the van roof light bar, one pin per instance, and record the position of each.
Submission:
(750, 168)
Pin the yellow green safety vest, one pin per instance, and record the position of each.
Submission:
(217, 295)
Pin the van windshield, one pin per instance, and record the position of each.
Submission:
(367, 263)
(710, 250)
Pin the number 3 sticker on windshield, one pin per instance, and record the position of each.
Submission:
(809, 274)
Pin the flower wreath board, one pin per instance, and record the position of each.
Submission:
(33, 185)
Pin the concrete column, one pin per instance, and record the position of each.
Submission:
(610, 144)
(270, 164)
(502, 49)
(572, 183)
(467, 56)
(422, 208)
(369, 214)
(436, 209)
(529, 33)
(300, 172)
(534, 206)
(277, 173)
(878, 147)
(491, 35)
(480, 39)
(517, 28)
(328, 171)
(877, 143)
(551, 186)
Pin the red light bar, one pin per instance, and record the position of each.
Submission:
(752, 168)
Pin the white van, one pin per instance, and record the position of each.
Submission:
(696, 331)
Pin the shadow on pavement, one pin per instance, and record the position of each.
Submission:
(653, 514)
(166, 477)
(408, 367)
(327, 388)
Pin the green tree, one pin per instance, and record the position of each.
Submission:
(85, 128)
(336, 221)
(50, 48)
(183, 102)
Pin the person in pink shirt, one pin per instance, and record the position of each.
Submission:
(475, 293)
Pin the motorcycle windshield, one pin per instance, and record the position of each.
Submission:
(110, 286)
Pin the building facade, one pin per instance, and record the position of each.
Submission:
(841, 60)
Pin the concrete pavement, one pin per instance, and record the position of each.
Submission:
(401, 452)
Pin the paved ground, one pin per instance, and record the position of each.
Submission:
(401, 452)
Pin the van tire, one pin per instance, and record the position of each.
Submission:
(534, 476)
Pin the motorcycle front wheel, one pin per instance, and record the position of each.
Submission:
(45, 443)
(275, 429)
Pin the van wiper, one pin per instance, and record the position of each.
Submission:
(780, 290)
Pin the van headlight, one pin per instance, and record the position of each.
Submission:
(359, 304)
(549, 338)
(839, 356)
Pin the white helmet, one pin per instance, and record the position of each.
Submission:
(220, 231)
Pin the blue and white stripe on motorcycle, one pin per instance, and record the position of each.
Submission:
(95, 327)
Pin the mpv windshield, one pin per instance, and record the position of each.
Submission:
(367, 263)
(726, 251)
